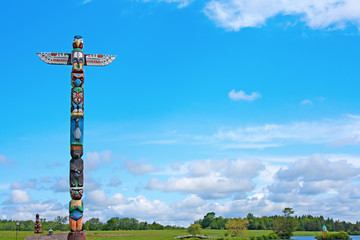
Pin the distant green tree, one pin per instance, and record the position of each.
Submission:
(218, 223)
(285, 225)
(194, 229)
(59, 223)
(156, 226)
(143, 226)
(237, 226)
(112, 224)
(93, 224)
(208, 218)
(252, 221)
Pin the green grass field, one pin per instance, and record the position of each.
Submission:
(146, 234)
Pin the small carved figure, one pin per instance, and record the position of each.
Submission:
(77, 79)
(77, 132)
(77, 99)
(77, 55)
(76, 193)
(37, 224)
(76, 210)
(76, 151)
(76, 173)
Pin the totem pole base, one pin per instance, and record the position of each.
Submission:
(76, 236)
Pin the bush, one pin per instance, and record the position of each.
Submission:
(330, 236)
(194, 229)
(272, 236)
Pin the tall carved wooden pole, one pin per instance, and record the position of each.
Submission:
(77, 59)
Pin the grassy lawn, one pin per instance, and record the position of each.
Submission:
(11, 235)
(306, 233)
(146, 234)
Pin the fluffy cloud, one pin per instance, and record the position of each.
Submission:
(212, 179)
(139, 168)
(241, 95)
(61, 185)
(318, 168)
(99, 205)
(32, 183)
(49, 210)
(237, 14)
(18, 196)
(300, 185)
(94, 159)
(90, 183)
(315, 177)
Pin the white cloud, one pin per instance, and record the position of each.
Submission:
(32, 183)
(61, 185)
(237, 14)
(18, 196)
(139, 168)
(212, 179)
(313, 185)
(241, 95)
(90, 183)
(208, 187)
(98, 200)
(191, 202)
(27, 211)
(181, 3)
(309, 169)
(306, 102)
(94, 159)
(103, 207)
(316, 177)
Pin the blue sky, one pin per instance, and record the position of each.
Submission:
(230, 106)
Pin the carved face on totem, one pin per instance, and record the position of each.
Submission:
(77, 79)
(77, 95)
(76, 193)
(78, 42)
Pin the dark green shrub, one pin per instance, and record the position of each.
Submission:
(331, 236)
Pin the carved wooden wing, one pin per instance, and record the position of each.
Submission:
(98, 59)
(55, 58)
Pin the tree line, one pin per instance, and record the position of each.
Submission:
(61, 224)
(210, 220)
(303, 223)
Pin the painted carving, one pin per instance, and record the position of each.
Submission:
(37, 224)
(77, 99)
(77, 79)
(76, 207)
(76, 151)
(77, 55)
(76, 172)
(77, 131)
(77, 59)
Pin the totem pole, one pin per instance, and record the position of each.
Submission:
(77, 59)
(37, 225)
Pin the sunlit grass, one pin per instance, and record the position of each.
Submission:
(147, 234)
